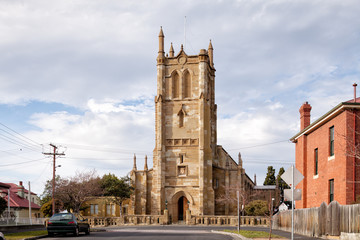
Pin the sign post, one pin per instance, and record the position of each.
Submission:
(238, 210)
(293, 177)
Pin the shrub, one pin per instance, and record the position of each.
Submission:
(257, 208)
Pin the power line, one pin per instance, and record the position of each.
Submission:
(42, 172)
(16, 142)
(18, 139)
(13, 164)
(36, 143)
(100, 149)
(16, 155)
(265, 162)
(259, 145)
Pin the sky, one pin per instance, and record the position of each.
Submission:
(82, 75)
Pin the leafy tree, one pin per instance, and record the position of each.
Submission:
(257, 208)
(270, 176)
(3, 205)
(47, 193)
(46, 208)
(118, 188)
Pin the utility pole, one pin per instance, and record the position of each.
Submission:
(8, 213)
(54, 154)
(29, 196)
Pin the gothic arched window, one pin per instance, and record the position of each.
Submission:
(175, 85)
(168, 88)
(181, 119)
(187, 85)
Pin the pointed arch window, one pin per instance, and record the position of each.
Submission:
(181, 119)
(187, 85)
(175, 85)
(168, 88)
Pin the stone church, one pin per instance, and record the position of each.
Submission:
(190, 170)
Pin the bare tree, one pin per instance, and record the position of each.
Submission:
(351, 137)
(229, 195)
(351, 144)
(74, 191)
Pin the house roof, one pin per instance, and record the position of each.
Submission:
(4, 186)
(265, 187)
(16, 200)
(327, 117)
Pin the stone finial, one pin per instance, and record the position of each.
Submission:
(240, 161)
(211, 54)
(145, 166)
(210, 46)
(134, 167)
(171, 52)
(161, 34)
(255, 179)
(161, 54)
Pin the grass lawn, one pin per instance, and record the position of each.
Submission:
(22, 235)
(254, 234)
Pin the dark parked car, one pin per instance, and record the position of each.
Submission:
(67, 223)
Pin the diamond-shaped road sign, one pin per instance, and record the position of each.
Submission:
(287, 176)
(297, 194)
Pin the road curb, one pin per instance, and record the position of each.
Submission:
(234, 235)
(37, 237)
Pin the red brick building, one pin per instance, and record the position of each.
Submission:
(327, 153)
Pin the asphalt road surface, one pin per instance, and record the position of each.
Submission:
(172, 232)
(150, 234)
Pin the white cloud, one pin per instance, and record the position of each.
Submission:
(105, 138)
(100, 58)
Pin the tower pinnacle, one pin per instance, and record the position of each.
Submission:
(134, 167)
(145, 166)
(161, 55)
(240, 161)
(171, 51)
(211, 54)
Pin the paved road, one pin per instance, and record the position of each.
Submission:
(149, 234)
(171, 232)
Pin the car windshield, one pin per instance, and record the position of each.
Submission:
(61, 216)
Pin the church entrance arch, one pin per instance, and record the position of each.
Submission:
(183, 205)
(181, 202)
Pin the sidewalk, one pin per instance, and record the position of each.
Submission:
(287, 235)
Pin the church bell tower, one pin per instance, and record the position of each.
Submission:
(185, 131)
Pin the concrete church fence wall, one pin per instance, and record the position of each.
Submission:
(127, 219)
(228, 220)
(324, 220)
(162, 220)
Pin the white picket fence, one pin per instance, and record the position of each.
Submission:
(22, 221)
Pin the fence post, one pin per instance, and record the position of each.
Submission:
(322, 219)
(335, 215)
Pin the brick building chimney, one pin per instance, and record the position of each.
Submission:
(304, 115)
